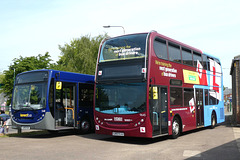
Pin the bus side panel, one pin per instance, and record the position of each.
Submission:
(209, 109)
(218, 108)
(207, 115)
(187, 117)
(220, 113)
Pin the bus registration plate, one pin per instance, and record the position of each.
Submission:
(117, 133)
(25, 127)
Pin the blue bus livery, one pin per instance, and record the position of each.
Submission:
(53, 100)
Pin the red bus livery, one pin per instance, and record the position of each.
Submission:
(149, 85)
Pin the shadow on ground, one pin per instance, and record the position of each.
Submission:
(228, 151)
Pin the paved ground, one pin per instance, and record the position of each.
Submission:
(223, 142)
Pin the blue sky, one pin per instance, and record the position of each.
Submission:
(32, 27)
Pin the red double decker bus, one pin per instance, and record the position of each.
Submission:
(149, 85)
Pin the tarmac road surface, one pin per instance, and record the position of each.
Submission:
(223, 142)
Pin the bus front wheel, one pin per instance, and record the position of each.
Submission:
(85, 126)
(176, 129)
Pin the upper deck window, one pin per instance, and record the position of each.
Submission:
(205, 62)
(187, 57)
(174, 53)
(124, 47)
(214, 65)
(160, 48)
(197, 57)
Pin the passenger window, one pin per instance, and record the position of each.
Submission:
(187, 57)
(205, 61)
(51, 97)
(188, 96)
(86, 92)
(209, 60)
(160, 48)
(216, 60)
(212, 98)
(206, 96)
(197, 57)
(175, 96)
(174, 53)
(218, 66)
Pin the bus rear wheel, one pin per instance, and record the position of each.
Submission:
(176, 129)
(213, 121)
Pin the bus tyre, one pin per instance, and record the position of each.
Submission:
(176, 128)
(53, 131)
(85, 126)
(213, 121)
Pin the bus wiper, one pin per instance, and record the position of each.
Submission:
(26, 107)
(111, 82)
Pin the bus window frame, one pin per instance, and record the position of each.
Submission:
(176, 46)
(160, 40)
(184, 96)
(197, 54)
(187, 50)
(181, 98)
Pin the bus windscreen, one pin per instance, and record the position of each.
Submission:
(30, 91)
(121, 98)
(125, 47)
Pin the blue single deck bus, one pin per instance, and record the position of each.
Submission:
(53, 100)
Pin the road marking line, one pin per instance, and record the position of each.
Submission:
(191, 153)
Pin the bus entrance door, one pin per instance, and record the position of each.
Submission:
(159, 109)
(199, 107)
(65, 106)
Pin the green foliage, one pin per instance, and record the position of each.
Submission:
(1, 77)
(1, 80)
(80, 55)
(21, 65)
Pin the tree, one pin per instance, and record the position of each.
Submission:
(1, 77)
(21, 65)
(1, 80)
(80, 55)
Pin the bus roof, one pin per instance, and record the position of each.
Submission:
(155, 33)
(65, 76)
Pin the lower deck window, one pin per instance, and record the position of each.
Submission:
(188, 96)
(175, 96)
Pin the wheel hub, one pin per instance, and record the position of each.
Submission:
(175, 127)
